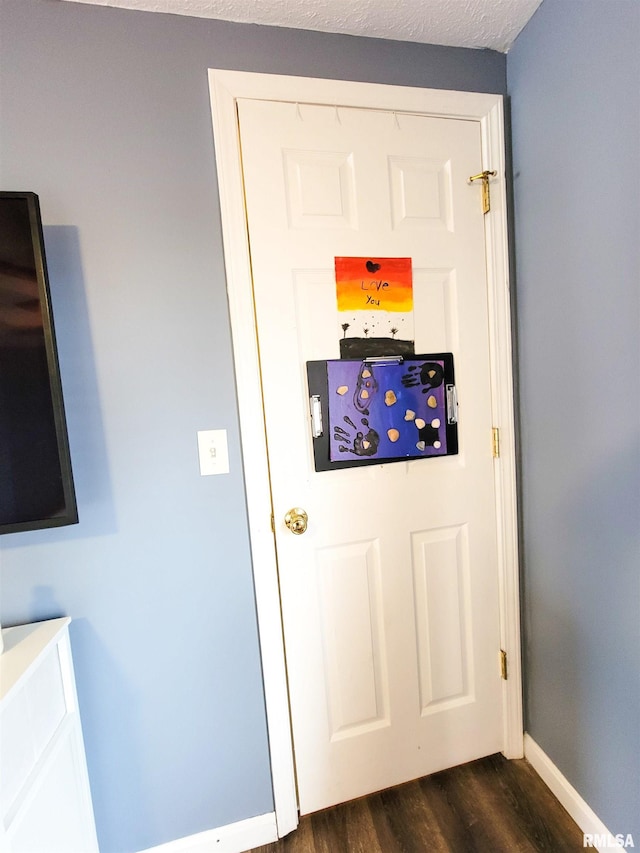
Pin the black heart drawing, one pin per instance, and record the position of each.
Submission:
(372, 267)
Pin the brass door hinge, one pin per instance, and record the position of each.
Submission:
(503, 664)
(486, 195)
(495, 439)
(273, 524)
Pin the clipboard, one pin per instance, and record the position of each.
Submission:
(379, 410)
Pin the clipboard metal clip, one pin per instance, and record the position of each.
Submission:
(384, 359)
(315, 408)
(452, 404)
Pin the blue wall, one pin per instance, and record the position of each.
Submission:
(574, 83)
(105, 114)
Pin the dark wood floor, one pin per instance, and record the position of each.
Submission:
(489, 806)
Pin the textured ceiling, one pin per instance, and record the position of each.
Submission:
(491, 24)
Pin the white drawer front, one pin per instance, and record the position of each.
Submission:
(29, 721)
(17, 753)
(45, 696)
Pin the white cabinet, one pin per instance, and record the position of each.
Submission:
(45, 798)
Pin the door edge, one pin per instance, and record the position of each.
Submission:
(503, 411)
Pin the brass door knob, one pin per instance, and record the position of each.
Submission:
(296, 520)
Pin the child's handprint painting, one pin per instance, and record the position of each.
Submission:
(389, 410)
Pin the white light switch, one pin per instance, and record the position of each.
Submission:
(213, 451)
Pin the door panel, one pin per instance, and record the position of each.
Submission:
(353, 636)
(443, 617)
(390, 599)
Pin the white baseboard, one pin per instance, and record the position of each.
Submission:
(590, 824)
(233, 838)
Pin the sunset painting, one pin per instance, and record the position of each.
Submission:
(375, 306)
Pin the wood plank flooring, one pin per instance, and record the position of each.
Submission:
(488, 806)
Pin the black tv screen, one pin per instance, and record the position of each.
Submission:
(36, 482)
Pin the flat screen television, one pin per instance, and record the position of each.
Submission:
(36, 481)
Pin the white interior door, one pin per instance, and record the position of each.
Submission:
(390, 600)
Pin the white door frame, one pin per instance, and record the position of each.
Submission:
(226, 87)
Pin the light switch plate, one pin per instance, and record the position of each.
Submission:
(213, 451)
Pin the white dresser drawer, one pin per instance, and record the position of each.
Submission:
(45, 800)
(28, 722)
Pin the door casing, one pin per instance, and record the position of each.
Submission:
(226, 87)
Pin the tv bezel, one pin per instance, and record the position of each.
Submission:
(70, 513)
